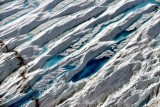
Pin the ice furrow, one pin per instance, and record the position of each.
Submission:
(79, 53)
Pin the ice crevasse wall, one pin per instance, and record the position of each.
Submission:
(79, 53)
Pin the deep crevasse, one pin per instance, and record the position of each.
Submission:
(79, 53)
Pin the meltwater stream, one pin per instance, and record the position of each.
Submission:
(52, 61)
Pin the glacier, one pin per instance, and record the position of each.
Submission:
(80, 53)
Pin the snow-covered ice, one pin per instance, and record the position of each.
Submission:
(79, 53)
